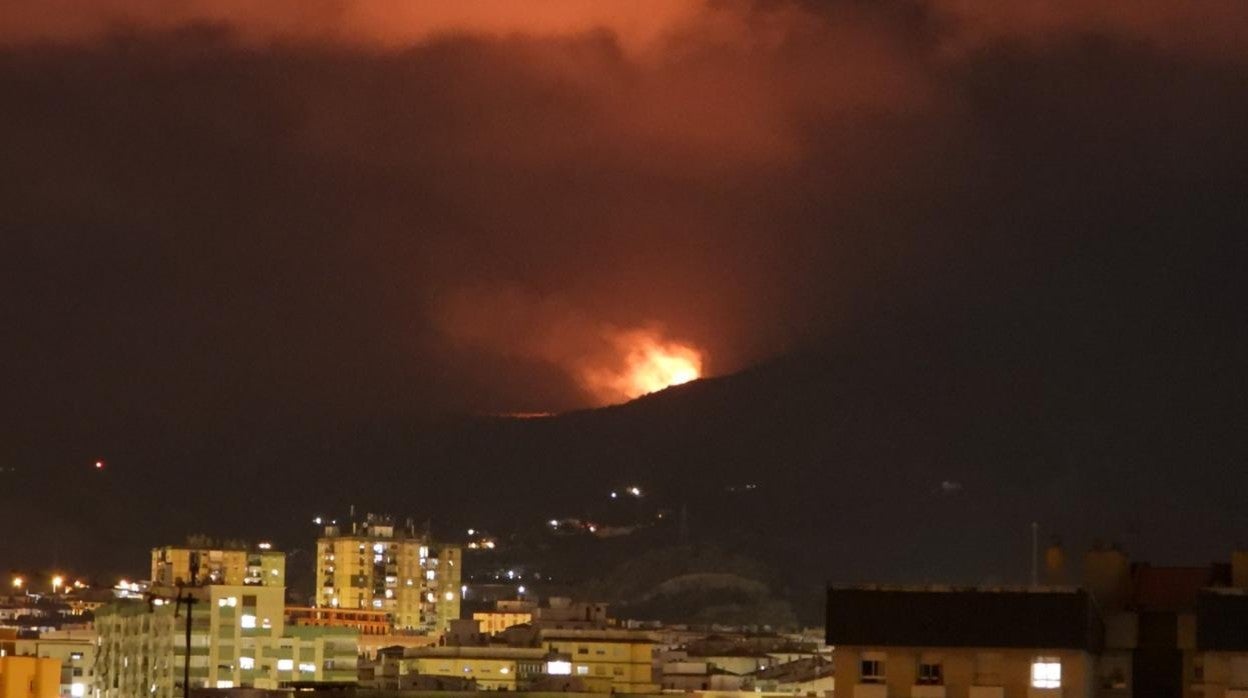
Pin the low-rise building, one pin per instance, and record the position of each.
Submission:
(29, 677)
(607, 660)
(491, 668)
(933, 642)
(75, 649)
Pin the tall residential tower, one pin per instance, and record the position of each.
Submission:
(376, 565)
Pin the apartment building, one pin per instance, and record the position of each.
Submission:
(75, 649)
(239, 638)
(375, 565)
(230, 562)
(605, 660)
(487, 668)
(134, 657)
(938, 642)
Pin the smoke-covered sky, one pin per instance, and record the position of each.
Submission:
(222, 214)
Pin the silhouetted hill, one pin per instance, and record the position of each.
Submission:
(904, 456)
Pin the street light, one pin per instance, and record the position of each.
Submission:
(57, 582)
(18, 582)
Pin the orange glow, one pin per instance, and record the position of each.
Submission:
(648, 364)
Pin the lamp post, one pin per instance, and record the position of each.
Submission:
(57, 582)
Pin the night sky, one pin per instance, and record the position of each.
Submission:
(260, 245)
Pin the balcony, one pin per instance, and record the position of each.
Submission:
(927, 690)
(870, 690)
(986, 692)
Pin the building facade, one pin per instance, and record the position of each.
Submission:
(75, 649)
(233, 564)
(239, 638)
(135, 651)
(936, 642)
(607, 661)
(490, 668)
(377, 566)
(29, 677)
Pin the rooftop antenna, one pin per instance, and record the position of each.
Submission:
(684, 524)
(1035, 552)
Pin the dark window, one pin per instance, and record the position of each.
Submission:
(931, 673)
(872, 671)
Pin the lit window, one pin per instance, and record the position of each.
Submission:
(1046, 672)
(232, 601)
(430, 574)
(424, 551)
(225, 684)
(248, 620)
(285, 665)
(450, 596)
(307, 667)
(582, 669)
(558, 668)
(246, 663)
(78, 690)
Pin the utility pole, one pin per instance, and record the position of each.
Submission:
(185, 597)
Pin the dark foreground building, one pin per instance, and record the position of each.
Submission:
(1129, 630)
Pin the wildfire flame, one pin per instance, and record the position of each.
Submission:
(648, 364)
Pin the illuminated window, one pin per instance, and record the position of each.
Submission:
(430, 574)
(246, 663)
(308, 667)
(582, 669)
(558, 668)
(78, 690)
(225, 684)
(285, 665)
(248, 620)
(1046, 672)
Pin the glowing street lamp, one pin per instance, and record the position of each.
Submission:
(18, 582)
(57, 582)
